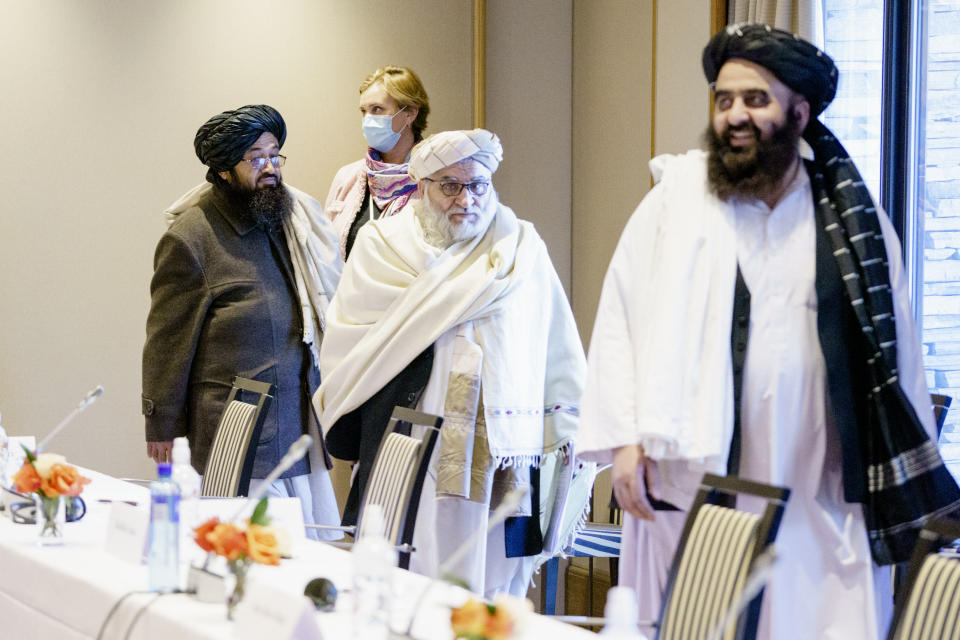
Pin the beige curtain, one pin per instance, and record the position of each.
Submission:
(802, 17)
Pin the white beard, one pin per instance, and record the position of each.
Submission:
(439, 231)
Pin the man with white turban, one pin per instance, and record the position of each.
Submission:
(452, 306)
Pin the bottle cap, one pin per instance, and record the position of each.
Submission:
(621, 609)
(163, 469)
(373, 522)
(181, 450)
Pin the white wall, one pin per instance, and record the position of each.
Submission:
(100, 103)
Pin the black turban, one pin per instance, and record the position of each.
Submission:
(795, 62)
(223, 139)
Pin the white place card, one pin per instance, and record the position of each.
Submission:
(16, 455)
(267, 612)
(127, 532)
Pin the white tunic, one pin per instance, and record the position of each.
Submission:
(825, 584)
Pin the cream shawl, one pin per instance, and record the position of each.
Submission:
(398, 294)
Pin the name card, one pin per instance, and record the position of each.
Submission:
(127, 532)
(267, 612)
(15, 454)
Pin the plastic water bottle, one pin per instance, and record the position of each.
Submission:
(163, 557)
(621, 614)
(187, 478)
(373, 561)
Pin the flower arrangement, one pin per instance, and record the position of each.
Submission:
(241, 545)
(49, 477)
(478, 620)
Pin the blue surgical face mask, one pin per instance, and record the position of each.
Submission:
(378, 130)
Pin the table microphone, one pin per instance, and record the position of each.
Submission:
(88, 399)
(507, 507)
(294, 453)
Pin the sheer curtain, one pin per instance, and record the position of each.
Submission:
(802, 17)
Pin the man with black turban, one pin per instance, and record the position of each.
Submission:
(242, 279)
(755, 321)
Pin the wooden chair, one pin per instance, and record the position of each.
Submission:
(717, 551)
(230, 464)
(930, 608)
(396, 479)
(713, 589)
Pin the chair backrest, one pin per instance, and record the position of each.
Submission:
(396, 479)
(230, 464)
(941, 404)
(714, 558)
(931, 608)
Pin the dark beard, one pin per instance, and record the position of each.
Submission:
(751, 173)
(267, 206)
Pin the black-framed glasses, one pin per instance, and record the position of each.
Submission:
(260, 163)
(477, 188)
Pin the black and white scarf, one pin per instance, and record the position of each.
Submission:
(906, 480)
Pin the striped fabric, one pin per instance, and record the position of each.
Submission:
(221, 477)
(933, 609)
(390, 482)
(597, 540)
(907, 481)
(712, 573)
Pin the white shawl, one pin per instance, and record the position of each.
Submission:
(660, 372)
(314, 251)
(398, 294)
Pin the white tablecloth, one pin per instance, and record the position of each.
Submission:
(66, 592)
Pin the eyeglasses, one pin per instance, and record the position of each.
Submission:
(260, 163)
(477, 188)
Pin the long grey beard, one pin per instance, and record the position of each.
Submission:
(270, 206)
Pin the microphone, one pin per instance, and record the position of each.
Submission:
(294, 453)
(507, 506)
(88, 399)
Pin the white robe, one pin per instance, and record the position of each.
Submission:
(825, 584)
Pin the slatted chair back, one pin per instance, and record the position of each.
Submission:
(396, 479)
(714, 558)
(931, 608)
(230, 464)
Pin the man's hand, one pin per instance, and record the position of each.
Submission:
(628, 463)
(160, 451)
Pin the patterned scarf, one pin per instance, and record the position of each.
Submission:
(390, 184)
(906, 480)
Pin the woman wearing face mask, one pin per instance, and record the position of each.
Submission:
(394, 108)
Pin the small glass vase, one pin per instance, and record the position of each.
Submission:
(239, 569)
(51, 519)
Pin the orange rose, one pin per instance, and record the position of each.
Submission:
(262, 544)
(499, 625)
(64, 480)
(228, 541)
(201, 532)
(27, 480)
(470, 619)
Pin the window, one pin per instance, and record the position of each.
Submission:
(854, 32)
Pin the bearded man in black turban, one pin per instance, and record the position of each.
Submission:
(754, 321)
(241, 281)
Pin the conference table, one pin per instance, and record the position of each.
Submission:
(68, 591)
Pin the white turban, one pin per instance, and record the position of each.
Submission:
(450, 147)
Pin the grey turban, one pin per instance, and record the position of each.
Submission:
(223, 139)
(450, 147)
(795, 62)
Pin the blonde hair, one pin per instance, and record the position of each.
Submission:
(403, 85)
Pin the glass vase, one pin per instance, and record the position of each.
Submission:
(51, 518)
(239, 569)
